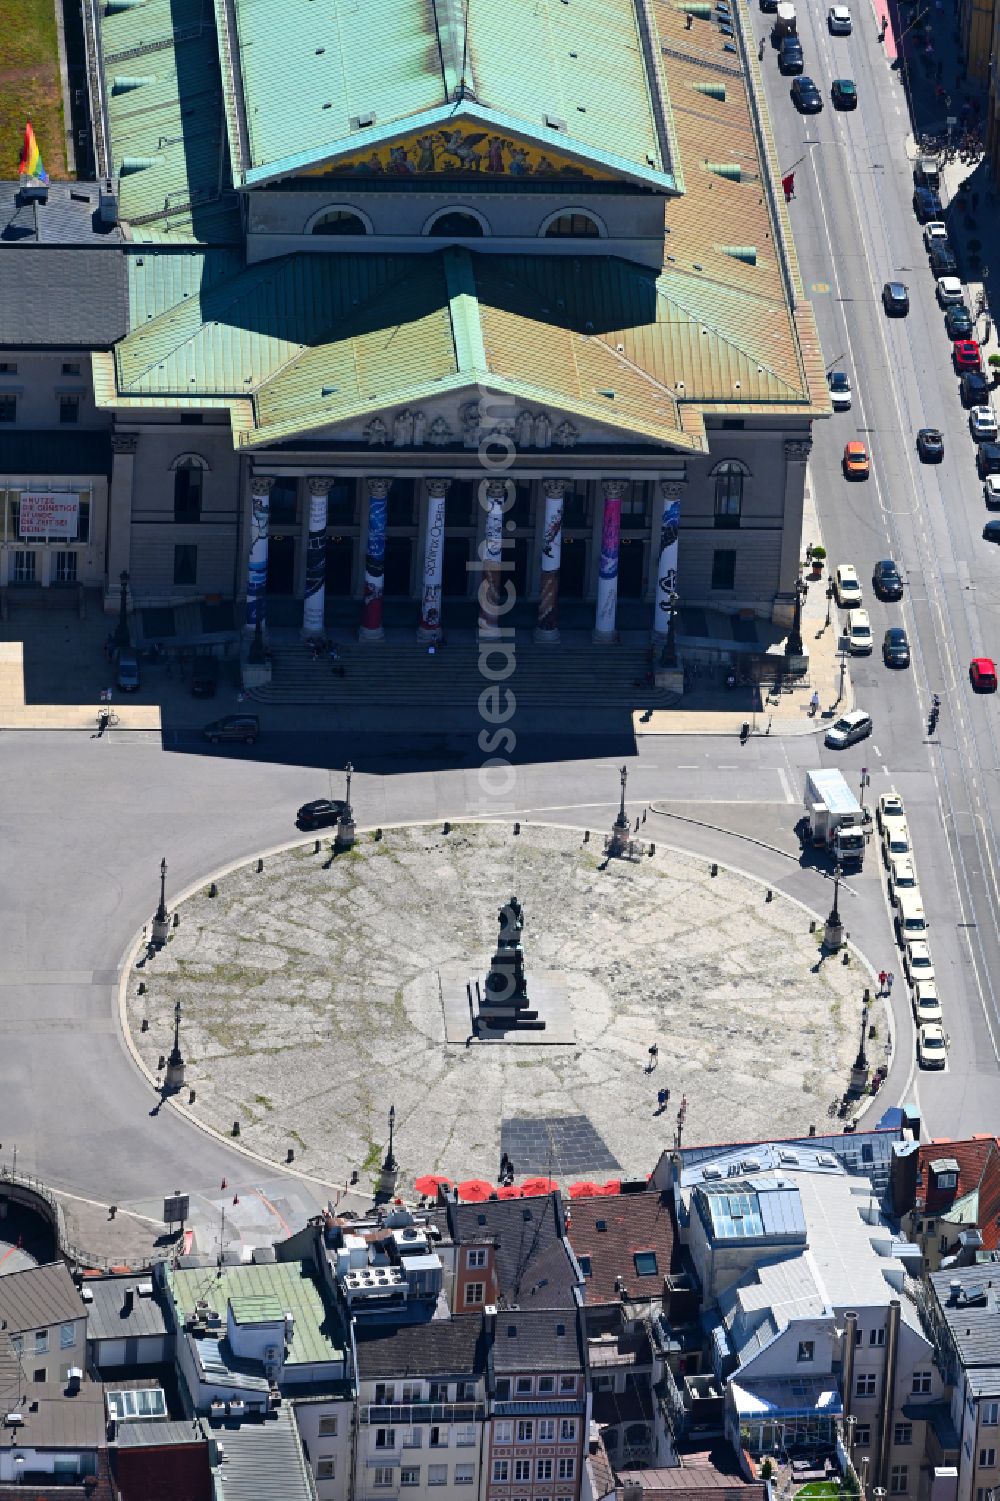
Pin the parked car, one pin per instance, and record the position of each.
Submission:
(941, 260)
(949, 289)
(849, 729)
(926, 205)
(896, 647)
(889, 809)
(857, 465)
(790, 56)
(991, 531)
(321, 811)
(895, 840)
(204, 677)
(958, 321)
(859, 633)
(917, 963)
(983, 424)
(844, 93)
(245, 727)
(896, 299)
(935, 233)
(886, 580)
(902, 876)
(838, 20)
(930, 445)
(128, 672)
(840, 390)
(926, 173)
(932, 1050)
(974, 389)
(991, 492)
(966, 355)
(806, 96)
(926, 1006)
(988, 459)
(847, 587)
(983, 675)
(768, 6)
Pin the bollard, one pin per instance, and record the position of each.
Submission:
(112, 1210)
(378, 834)
(586, 836)
(812, 1130)
(812, 926)
(770, 895)
(145, 1024)
(354, 1176)
(847, 958)
(162, 1062)
(142, 988)
(291, 1155)
(177, 919)
(236, 1198)
(447, 827)
(867, 997)
(316, 846)
(236, 1128)
(223, 1183)
(517, 828)
(260, 864)
(651, 850)
(191, 1096)
(213, 890)
(715, 869)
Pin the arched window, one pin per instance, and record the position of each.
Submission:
(189, 470)
(573, 227)
(339, 221)
(729, 477)
(455, 225)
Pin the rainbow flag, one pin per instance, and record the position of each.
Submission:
(31, 158)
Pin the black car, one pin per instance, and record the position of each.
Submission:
(844, 93)
(886, 580)
(790, 58)
(926, 205)
(806, 96)
(988, 459)
(895, 299)
(958, 321)
(896, 647)
(245, 727)
(991, 531)
(942, 260)
(930, 445)
(322, 810)
(768, 6)
(975, 389)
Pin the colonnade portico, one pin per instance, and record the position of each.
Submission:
(491, 563)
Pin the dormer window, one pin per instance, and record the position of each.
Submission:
(454, 225)
(947, 1180)
(340, 221)
(573, 227)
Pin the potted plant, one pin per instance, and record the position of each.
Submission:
(817, 557)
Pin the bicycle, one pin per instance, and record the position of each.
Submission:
(107, 719)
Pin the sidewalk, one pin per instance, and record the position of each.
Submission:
(724, 712)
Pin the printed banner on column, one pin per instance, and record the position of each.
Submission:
(371, 607)
(47, 513)
(607, 574)
(548, 598)
(314, 605)
(666, 572)
(430, 606)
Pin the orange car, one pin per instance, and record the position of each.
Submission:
(856, 462)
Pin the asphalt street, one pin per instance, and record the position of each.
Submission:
(855, 228)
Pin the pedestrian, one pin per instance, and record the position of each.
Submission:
(888, 982)
(814, 704)
(662, 1100)
(760, 51)
(882, 977)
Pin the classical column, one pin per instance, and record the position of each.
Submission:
(123, 447)
(430, 599)
(607, 577)
(260, 511)
(492, 555)
(371, 606)
(314, 603)
(547, 628)
(666, 568)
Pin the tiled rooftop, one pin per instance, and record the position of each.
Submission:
(630, 1236)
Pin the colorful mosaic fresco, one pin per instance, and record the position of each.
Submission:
(456, 151)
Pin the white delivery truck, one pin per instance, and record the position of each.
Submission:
(835, 818)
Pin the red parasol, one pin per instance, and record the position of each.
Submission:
(531, 1187)
(430, 1183)
(612, 1187)
(475, 1191)
(510, 1191)
(584, 1190)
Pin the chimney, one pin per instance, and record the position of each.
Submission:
(107, 204)
(128, 1302)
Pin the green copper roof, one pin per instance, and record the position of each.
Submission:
(579, 76)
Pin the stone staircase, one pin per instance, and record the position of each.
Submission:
(399, 672)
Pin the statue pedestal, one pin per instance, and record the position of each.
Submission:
(345, 836)
(161, 930)
(859, 1080)
(621, 833)
(174, 1078)
(387, 1179)
(833, 936)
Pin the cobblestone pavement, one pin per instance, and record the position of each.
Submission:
(312, 999)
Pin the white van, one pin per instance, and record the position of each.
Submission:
(911, 921)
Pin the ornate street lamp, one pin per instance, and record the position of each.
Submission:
(389, 1165)
(121, 632)
(793, 646)
(833, 937)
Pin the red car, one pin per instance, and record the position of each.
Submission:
(983, 674)
(967, 355)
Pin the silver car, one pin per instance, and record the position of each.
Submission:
(849, 729)
(838, 19)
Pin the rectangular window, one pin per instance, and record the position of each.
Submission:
(465, 1435)
(8, 407)
(523, 1386)
(413, 1438)
(863, 1436)
(328, 1427)
(989, 1414)
(543, 1469)
(67, 1336)
(409, 1475)
(69, 410)
(437, 1474)
(987, 1459)
(410, 1391)
(546, 1430)
(185, 563)
(439, 1391)
(65, 567)
(439, 1437)
(898, 1478)
(857, 1334)
(645, 1263)
(501, 1471)
(326, 1469)
(921, 1383)
(724, 569)
(522, 1470)
(464, 1474)
(71, 367)
(384, 1476)
(503, 1433)
(567, 1383)
(475, 1293)
(806, 1350)
(41, 1341)
(876, 1336)
(40, 1374)
(466, 1391)
(546, 1385)
(866, 1385)
(476, 1257)
(385, 1393)
(24, 566)
(187, 494)
(17, 1343)
(567, 1430)
(503, 1388)
(567, 1469)
(902, 1433)
(385, 1438)
(7, 367)
(525, 1431)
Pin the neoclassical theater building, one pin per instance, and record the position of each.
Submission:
(398, 288)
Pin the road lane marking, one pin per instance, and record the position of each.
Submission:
(783, 779)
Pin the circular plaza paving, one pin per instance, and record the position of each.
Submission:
(319, 991)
